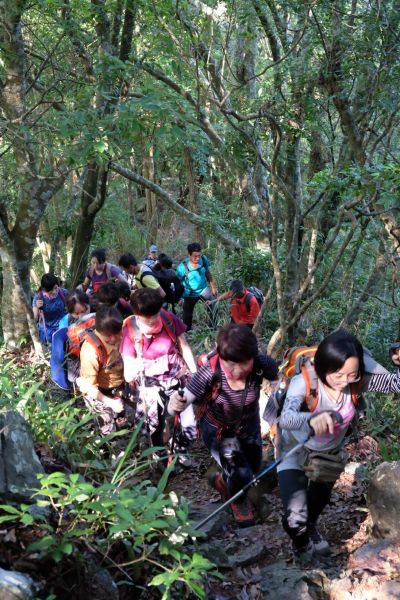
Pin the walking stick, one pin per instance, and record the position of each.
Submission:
(257, 478)
(174, 433)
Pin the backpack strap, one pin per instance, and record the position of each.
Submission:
(108, 270)
(311, 381)
(100, 348)
(144, 274)
(168, 324)
(247, 300)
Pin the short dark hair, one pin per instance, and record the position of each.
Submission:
(126, 260)
(236, 286)
(100, 254)
(123, 289)
(146, 302)
(165, 261)
(108, 294)
(333, 352)
(76, 297)
(194, 247)
(108, 320)
(236, 343)
(48, 281)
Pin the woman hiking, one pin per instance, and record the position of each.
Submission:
(157, 360)
(344, 370)
(48, 306)
(228, 387)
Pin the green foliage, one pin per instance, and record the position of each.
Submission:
(107, 503)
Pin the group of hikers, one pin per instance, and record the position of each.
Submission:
(125, 348)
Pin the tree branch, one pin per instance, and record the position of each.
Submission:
(219, 232)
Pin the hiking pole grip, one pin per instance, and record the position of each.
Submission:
(336, 416)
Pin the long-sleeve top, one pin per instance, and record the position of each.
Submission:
(294, 422)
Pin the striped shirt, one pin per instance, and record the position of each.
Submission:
(227, 407)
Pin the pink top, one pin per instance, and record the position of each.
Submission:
(161, 357)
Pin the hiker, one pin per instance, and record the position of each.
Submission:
(143, 275)
(244, 305)
(157, 358)
(101, 379)
(343, 370)
(228, 387)
(169, 281)
(99, 272)
(77, 305)
(109, 294)
(151, 259)
(48, 306)
(195, 274)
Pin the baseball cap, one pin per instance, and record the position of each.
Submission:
(153, 248)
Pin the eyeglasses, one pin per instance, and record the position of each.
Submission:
(348, 377)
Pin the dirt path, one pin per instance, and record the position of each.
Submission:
(344, 522)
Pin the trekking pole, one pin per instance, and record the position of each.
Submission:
(338, 417)
(175, 430)
(41, 318)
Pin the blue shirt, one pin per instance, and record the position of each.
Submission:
(193, 278)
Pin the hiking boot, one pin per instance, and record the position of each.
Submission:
(243, 512)
(303, 555)
(321, 546)
(217, 481)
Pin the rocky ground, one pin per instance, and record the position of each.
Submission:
(257, 563)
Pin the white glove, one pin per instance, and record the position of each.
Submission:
(176, 404)
(115, 403)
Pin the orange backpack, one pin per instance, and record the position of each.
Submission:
(77, 331)
(296, 360)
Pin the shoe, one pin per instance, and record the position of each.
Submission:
(321, 546)
(217, 481)
(243, 513)
(304, 554)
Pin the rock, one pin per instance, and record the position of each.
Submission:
(285, 582)
(16, 586)
(19, 464)
(240, 552)
(381, 557)
(364, 587)
(356, 469)
(216, 552)
(384, 500)
(99, 585)
(198, 512)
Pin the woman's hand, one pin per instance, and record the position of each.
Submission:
(322, 423)
(176, 404)
(396, 356)
(39, 303)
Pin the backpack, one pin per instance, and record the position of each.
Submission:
(258, 295)
(65, 352)
(76, 333)
(296, 360)
(170, 283)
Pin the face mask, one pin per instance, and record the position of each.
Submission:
(152, 329)
(237, 374)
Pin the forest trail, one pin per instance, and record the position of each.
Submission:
(243, 554)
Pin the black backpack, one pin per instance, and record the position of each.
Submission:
(169, 281)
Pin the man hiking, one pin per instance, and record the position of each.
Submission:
(244, 305)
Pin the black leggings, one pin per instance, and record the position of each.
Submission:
(188, 307)
(303, 502)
